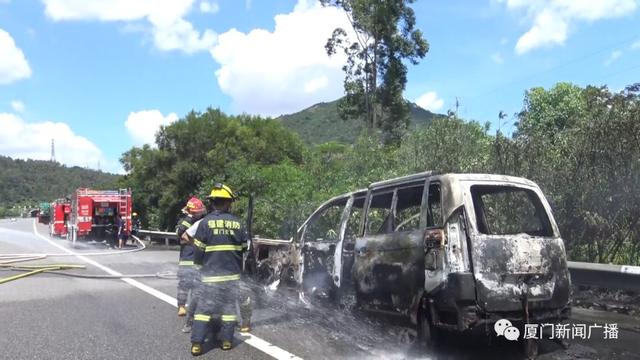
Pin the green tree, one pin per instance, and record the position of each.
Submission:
(384, 36)
(202, 147)
(581, 146)
(447, 145)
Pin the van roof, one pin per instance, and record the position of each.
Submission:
(453, 176)
(402, 179)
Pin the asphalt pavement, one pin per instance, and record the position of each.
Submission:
(51, 316)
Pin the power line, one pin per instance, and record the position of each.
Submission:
(553, 68)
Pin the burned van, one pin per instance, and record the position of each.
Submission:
(451, 251)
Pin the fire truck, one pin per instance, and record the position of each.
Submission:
(95, 213)
(44, 213)
(60, 214)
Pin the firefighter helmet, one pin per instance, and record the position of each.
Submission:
(195, 206)
(221, 191)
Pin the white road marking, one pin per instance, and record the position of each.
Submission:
(250, 339)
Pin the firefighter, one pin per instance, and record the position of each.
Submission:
(136, 224)
(221, 239)
(187, 270)
(123, 234)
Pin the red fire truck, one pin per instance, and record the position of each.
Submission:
(95, 213)
(60, 213)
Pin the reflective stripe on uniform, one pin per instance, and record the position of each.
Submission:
(199, 244)
(185, 262)
(229, 318)
(202, 317)
(186, 223)
(221, 278)
(223, 248)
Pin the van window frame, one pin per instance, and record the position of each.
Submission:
(365, 206)
(301, 237)
(375, 192)
(428, 183)
(394, 202)
(421, 224)
(548, 214)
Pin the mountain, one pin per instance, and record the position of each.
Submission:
(33, 181)
(320, 123)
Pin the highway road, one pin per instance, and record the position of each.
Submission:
(51, 316)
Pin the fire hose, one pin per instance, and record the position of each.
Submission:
(8, 263)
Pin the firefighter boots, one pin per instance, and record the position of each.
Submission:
(196, 349)
(245, 327)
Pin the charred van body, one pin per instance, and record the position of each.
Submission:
(452, 251)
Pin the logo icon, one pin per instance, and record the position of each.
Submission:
(503, 327)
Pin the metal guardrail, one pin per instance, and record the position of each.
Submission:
(605, 275)
(582, 273)
(151, 235)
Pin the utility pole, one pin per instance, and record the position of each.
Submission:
(53, 151)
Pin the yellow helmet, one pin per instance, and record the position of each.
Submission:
(221, 191)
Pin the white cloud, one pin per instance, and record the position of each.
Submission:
(209, 7)
(430, 101)
(548, 29)
(13, 64)
(497, 58)
(316, 84)
(271, 73)
(169, 29)
(615, 55)
(552, 19)
(635, 45)
(143, 125)
(23, 140)
(17, 106)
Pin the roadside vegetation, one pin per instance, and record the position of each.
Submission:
(581, 145)
(25, 183)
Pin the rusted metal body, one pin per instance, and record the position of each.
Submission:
(453, 251)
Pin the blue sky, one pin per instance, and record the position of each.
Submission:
(101, 76)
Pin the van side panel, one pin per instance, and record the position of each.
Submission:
(389, 269)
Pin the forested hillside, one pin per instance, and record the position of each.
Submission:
(581, 145)
(321, 123)
(24, 182)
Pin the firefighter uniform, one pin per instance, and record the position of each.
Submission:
(221, 239)
(187, 270)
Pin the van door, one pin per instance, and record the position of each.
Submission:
(351, 230)
(517, 255)
(389, 262)
(321, 246)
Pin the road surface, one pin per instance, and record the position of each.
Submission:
(49, 316)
